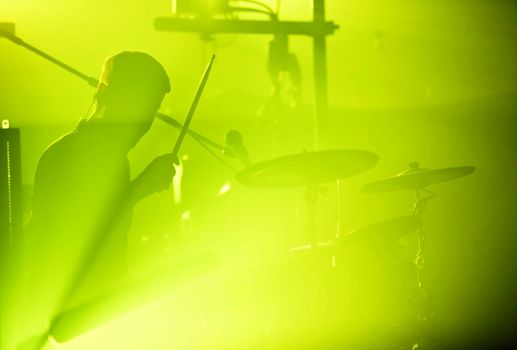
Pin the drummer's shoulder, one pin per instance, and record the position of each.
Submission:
(59, 147)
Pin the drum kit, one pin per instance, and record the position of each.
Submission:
(310, 170)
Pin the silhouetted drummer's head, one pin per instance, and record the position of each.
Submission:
(130, 91)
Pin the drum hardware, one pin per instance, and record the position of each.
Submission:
(309, 170)
(418, 179)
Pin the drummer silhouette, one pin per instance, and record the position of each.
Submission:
(83, 195)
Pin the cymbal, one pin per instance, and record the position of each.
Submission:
(386, 231)
(417, 178)
(376, 235)
(311, 247)
(307, 168)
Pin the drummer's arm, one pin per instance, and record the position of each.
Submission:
(156, 177)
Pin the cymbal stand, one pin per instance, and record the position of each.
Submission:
(340, 223)
(311, 201)
(426, 311)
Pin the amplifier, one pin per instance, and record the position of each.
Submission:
(10, 187)
(10, 223)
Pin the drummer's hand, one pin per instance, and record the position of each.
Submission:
(156, 177)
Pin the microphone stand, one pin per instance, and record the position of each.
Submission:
(93, 82)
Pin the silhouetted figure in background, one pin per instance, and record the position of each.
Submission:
(82, 186)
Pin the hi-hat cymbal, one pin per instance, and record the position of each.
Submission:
(416, 178)
(379, 235)
(307, 168)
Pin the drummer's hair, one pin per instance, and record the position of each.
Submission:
(135, 68)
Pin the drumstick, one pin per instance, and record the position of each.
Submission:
(190, 115)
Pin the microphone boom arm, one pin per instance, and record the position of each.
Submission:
(93, 82)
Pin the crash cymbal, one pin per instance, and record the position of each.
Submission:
(417, 178)
(390, 230)
(307, 168)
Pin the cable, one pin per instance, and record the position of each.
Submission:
(278, 6)
(258, 3)
(271, 15)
